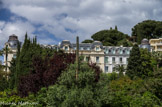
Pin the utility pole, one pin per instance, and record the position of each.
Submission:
(77, 56)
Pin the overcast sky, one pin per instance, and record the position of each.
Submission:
(55, 20)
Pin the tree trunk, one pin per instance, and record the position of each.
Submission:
(77, 56)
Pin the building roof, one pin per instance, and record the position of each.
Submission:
(145, 42)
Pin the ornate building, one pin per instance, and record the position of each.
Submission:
(145, 44)
(11, 45)
(107, 57)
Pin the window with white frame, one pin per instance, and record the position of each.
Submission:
(113, 59)
(88, 48)
(106, 59)
(121, 51)
(74, 48)
(109, 50)
(106, 51)
(106, 68)
(113, 51)
(121, 59)
(97, 49)
(128, 51)
(87, 59)
(81, 48)
(66, 48)
(14, 55)
(97, 59)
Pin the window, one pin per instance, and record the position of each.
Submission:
(121, 60)
(113, 59)
(106, 59)
(109, 51)
(66, 48)
(113, 51)
(14, 55)
(106, 51)
(87, 59)
(81, 48)
(97, 59)
(123, 51)
(106, 68)
(116, 51)
(97, 48)
(128, 51)
(88, 48)
(74, 48)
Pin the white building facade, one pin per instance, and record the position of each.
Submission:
(106, 57)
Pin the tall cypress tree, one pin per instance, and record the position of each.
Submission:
(23, 60)
(134, 63)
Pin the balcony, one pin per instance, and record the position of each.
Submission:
(159, 44)
(159, 49)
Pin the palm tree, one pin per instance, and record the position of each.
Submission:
(158, 57)
(1, 66)
(1, 71)
(121, 69)
(6, 51)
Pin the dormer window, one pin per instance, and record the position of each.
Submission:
(81, 48)
(123, 51)
(116, 51)
(74, 48)
(14, 55)
(88, 48)
(106, 51)
(110, 51)
(66, 48)
(128, 51)
(113, 51)
(97, 49)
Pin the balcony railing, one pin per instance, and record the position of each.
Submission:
(159, 49)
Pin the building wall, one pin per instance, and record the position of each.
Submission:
(92, 50)
(156, 44)
(11, 55)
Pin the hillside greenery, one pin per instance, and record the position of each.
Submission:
(111, 37)
(47, 77)
(147, 29)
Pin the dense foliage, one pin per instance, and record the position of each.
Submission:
(140, 63)
(111, 37)
(87, 41)
(22, 65)
(74, 92)
(45, 72)
(134, 62)
(147, 29)
(45, 77)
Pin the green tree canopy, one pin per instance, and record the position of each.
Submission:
(134, 62)
(147, 29)
(111, 37)
(87, 41)
(69, 92)
(139, 63)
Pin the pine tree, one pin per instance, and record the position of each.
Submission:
(134, 63)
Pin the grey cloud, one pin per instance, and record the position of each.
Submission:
(85, 17)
